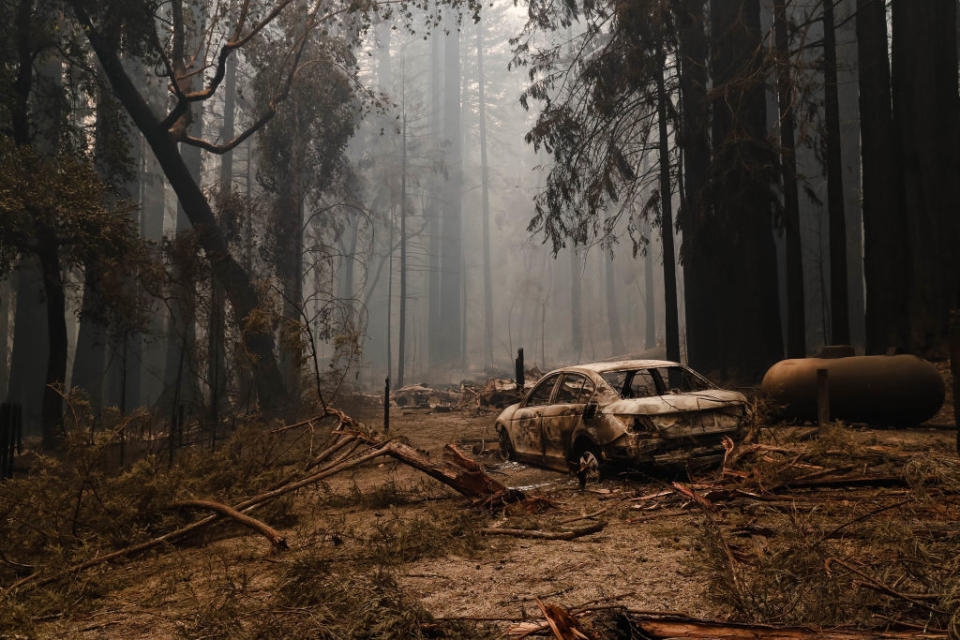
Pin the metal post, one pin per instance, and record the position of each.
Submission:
(386, 405)
(955, 368)
(823, 397)
(518, 366)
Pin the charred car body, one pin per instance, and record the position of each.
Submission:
(634, 412)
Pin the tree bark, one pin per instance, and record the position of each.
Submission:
(52, 428)
(671, 313)
(696, 249)
(886, 262)
(434, 309)
(746, 308)
(216, 351)
(450, 259)
(796, 308)
(839, 302)
(485, 204)
(925, 113)
(236, 282)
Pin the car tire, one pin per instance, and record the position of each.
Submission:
(587, 463)
(507, 452)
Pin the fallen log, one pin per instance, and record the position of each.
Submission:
(682, 627)
(278, 541)
(660, 626)
(568, 534)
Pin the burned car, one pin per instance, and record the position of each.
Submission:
(636, 413)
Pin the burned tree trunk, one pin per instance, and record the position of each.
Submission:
(671, 313)
(839, 303)
(885, 253)
(796, 308)
(696, 250)
(927, 118)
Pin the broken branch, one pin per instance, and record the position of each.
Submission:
(278, 541)
(569, 534)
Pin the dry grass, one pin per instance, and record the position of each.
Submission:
(868, 556)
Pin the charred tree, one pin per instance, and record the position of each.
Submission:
(796, 307)
(839, 302)
(925, 117)
(696, 251)
(671, 313)
(744, 301)
(885, 253)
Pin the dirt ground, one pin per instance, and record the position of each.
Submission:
(646, 565)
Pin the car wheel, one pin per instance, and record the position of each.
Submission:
(588, 465)
(507, 451)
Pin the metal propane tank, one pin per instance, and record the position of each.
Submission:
(891, 390)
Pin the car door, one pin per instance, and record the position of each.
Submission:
(527, 437)
(563, 416)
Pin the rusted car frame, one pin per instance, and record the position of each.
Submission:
(637, 413)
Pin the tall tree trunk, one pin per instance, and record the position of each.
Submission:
(576, 305)
(216, 351)
(5, 293)
(649, 302)
(434, 315)
(29, 355)
(152, 210)
(925, 111)
(485, 204)
(402, 337)
(450, 258)
(52, 429)
(240, 291)
(671, 313)
(181, 376)
(697, 247)
(839, 302)
(613, 305)
(747, 306)
(796, 309)
(885, 251)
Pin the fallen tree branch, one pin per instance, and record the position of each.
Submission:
(569, 534)
(278, 541)
(37, 579)
(876, 585)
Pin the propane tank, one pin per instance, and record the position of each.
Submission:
(893, 390)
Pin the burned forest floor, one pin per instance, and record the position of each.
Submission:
(838, 527)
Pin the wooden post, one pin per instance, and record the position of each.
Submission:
(518, 367)
(955, 368)
(823, 397)
(386, 405)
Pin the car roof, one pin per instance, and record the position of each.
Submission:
(619, 365)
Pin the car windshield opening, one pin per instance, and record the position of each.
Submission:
(681, 380)
(632, 383)
(644, 383)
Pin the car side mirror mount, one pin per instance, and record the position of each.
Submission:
(590, 411)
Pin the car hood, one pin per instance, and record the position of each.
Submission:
(675, 403)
